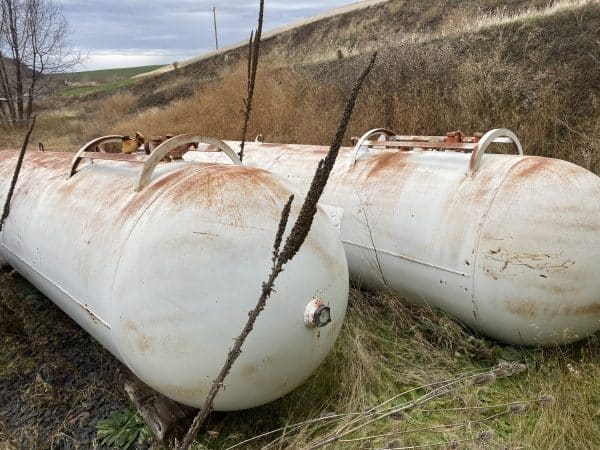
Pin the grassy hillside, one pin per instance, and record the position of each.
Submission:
(536, 73)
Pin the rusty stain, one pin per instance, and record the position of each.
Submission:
(218, 189)
(548, 262)
(531, 309)
(248, 370)
(489, 272)
(93, 316)
(453, 137)
(142, 342)
(530, 166)
(389, 161)
(533, 165)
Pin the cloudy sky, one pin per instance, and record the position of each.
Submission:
(125, 33)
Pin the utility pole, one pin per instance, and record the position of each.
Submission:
(215, 22)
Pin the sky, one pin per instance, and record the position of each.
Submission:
(128, 33)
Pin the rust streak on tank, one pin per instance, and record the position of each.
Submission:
(531, 309)
(387, 161)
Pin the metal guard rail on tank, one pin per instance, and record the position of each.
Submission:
(150, 162)
(454, 140)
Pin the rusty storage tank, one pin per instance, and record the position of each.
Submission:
(509, 244)
(162, 262)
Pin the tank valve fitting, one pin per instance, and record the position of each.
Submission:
(317, 314)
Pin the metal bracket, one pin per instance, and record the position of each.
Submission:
(478, 147)
(384, 132)
(163, 149)
(498, 135)
(79, 155)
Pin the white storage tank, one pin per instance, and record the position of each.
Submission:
(164, 276)
(509, 244)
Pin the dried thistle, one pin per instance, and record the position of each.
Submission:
(485, 436)
(501, 369)
(517, 408)
(396, 443)
(518, 368)
(253, 51)
(484, 379)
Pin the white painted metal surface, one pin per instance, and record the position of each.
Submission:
(164, 277)
(510, 245)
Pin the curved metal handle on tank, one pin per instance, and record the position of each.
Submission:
(101, 140)
(488, 138)
(365, 137)
(170, 144)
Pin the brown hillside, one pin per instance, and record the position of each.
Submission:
(443, 65)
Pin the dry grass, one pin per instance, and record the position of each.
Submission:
(284, 102)
(292, 106)
(68, 129)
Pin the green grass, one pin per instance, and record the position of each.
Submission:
(122, 429)
(107, 79)
(75, 91)
(106, 75)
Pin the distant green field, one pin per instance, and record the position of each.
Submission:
(106, 75)
(105, 80)
(84, 90)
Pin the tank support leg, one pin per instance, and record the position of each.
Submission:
(166, 418)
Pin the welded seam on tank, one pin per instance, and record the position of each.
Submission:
(407, 258)
(64, 291)
(481, 227)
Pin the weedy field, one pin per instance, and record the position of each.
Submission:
(399, 376)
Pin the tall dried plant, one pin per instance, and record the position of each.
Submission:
(292, 245)
(253, 51)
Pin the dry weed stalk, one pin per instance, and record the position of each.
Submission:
(359, 420)
(293, 243)
(13, 183)
(253, 51)
(501, 370)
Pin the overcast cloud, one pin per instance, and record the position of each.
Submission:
(132, 33)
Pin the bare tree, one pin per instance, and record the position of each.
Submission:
(33, 44)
